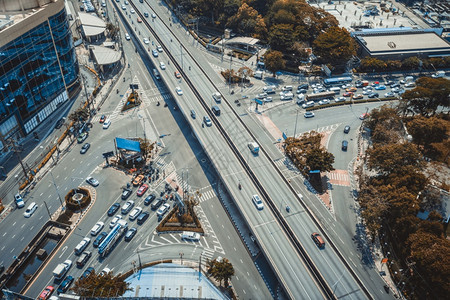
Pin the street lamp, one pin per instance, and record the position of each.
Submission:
(57, 191)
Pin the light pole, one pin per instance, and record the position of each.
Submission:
(295, 128)
(57, 191)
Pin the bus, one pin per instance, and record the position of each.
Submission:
(320, 96)
(337, 80)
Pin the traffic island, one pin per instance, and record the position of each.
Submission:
(77, 199)
(177, 221)
(133, 100)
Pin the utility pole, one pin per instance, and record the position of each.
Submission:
(57, 191)
(295, 128)
(16, 152)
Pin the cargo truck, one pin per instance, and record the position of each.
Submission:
(62, 269)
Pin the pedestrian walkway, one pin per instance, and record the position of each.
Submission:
(339, 177)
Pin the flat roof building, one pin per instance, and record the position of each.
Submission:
(400, 44)
(38, 65)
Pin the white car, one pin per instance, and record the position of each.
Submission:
(155, 53)
(106, 124)
(97, 227)
(162, 210)
(153, 15)
(114, 221)
(268, 99)
(127, 36)
(19, 201)
(132, 11)
(258, 202)
(146, 41)
(124, 7)
(339, 99)
(162, 65)
(92, 181)
(179, 91)
(30, 210)
(135, 213)
(324, 101)
(126, 2)
(127, 207)
(159, 48)
(367, 92)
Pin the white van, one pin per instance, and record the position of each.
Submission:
(308, 104)
(156, 74)
(217, 97)
(30, 210)
(254, 147)
(300, 98)
(336, 90)
(258, 202)
(286, 96)
(287, 88)
(190, 236)
(82, 245)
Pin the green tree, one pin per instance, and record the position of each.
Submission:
(274, 61)
(247, 21)
(320, 159)
(374, 208)
(281, 37)
(426, 131)
(335, 45)
(385, 159)
(101, 285)
(221, 270)
(146, 148)
(369, 64)
(411, 63)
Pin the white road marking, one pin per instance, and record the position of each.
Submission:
(4, 234)
(41, 194)
(14, 224)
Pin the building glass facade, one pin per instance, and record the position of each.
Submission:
(37, 71)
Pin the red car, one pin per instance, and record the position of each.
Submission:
(348, 94)
(46, 293)
(102, 119)
(177, 74)
(141, 191)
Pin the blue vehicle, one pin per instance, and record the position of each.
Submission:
(64, 286)
(380, 87)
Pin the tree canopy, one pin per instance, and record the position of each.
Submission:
(335, 45)
(274, 61)
(221, 270)
(101, 285)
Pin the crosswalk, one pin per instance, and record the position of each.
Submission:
(329, 128)
(148, 100)
(286, 163)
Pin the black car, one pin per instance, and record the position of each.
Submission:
(344, 145)
(60, 123)
(126, 193)
(99, 239)
(303, 86)
(130, 234)
(347, 129)
(157, 204)
(373, 95)
(149, 199)
(85, 148)
(64, 286)
(112, 210)
(87, 273)
(84, 257)
(142, 217)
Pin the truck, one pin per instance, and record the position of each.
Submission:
(62, 269)
(113, 238)
(217, 97)
(438, 74)
(258, 75)
(269, 89)
(254, 147)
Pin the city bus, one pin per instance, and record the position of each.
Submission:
(320, 96)
(337, 80)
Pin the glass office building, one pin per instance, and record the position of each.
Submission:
(38, 68)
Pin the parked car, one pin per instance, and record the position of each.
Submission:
(130, 234)
(347, 129)
(87, 273)
(126, 193)
(339, 99)
(389, 94)
(135, 213)
(359, 96)
(347, 94)
(99, 239)
(373, 95)
(142, 217)
(113, 209)
(97, 227)
(309, 114)
(92, 181)
(60, 123)
(127, 37)
(64, 286)
(364, 116)
(303, 86)
(324, 101)
(106, 124)
(127, 207)
(351, 89)
(85, 148)
(82, 137)
(149, 199)
(115, 220)
(141, 191)
(380, 87)
(46, 293)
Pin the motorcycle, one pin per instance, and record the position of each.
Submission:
(157, 103)
(117, 91)
(232, 92)
(288, 209)
(165, 105)
(239, 186)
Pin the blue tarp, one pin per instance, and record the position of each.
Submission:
(128, 144)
